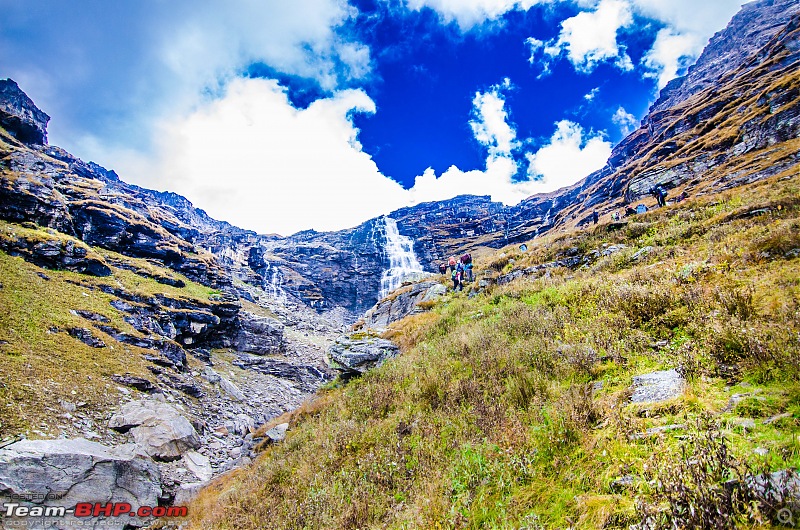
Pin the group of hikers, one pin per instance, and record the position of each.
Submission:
(660, 194)
(460, 270)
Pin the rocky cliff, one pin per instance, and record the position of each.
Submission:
(732, 119)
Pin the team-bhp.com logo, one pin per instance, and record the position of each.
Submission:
(89, 509)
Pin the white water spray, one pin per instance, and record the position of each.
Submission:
(402, 261)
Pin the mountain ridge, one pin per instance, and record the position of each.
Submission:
(305, 265)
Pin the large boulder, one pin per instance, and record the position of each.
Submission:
(20, 116)
(355, 354)
(158, 429)
(54, 473)
(402, 303)
(259, 335)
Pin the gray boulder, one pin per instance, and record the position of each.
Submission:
(53, 473)
(353, 355)
(259, 335)
(158, 429)
(404, 303)
(657, 386)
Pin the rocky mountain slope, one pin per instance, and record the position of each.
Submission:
(131, 318)
(735, 112)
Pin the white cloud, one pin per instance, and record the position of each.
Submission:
(590, 37)
(568, 157)
(253, 159)
(689, 26)
(670, 55)
(587, 39)
(470, 13)
(626, 121)
(592, 94)
(490, 125)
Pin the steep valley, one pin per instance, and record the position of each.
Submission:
(636, 372)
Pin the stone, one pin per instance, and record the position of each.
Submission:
(353, 355)
(259, 335)
(198, 464)
(641, 253)
(747, 424)
(277, 433)
(157, 428)
(65, 472)
(656, 387)
(655, 431)
(139, 383)
(402, 303)
(187, 492)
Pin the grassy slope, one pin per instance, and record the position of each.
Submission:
(489, 418)
(39, 367)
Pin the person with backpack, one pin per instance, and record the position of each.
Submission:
(662, 195)
(456, 276)
(452, 263)
(442, 268)
(466, 262)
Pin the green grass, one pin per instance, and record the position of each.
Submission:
(40, 364)
(489, 419)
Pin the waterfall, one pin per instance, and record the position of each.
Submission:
(273, 282)
(402, 261)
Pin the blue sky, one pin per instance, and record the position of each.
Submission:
(281, 116)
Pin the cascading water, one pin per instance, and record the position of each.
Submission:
(402, 261)
(273, 282)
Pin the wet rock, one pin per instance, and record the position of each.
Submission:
(88, 315)
(656, 387)
(56, 253)
(353, 355)
(81, 471)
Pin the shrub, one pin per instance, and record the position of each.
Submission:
(697, 488)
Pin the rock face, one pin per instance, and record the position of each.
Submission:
(157, 428)
(403, 302)
(687, 141)
(66, 472)
(19, 116)
(259, 335)
(354, 355)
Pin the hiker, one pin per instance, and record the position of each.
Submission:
(641, 208)
(442, 268)
(629, 211)
(595, 217)
(452, 263)
(466, 262)
(615, 216)
(660, 194)
(456, 277)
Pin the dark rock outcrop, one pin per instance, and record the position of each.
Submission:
(19, 116)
